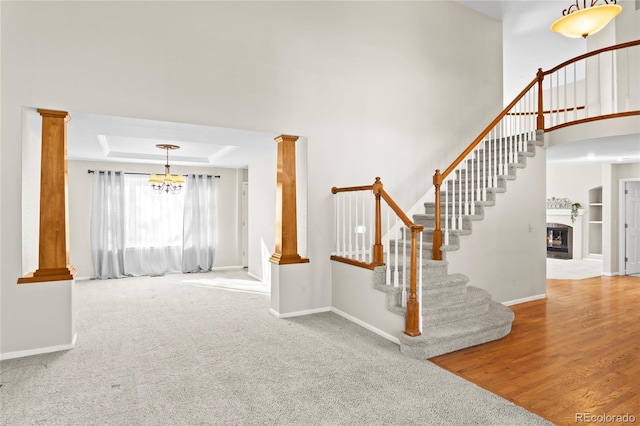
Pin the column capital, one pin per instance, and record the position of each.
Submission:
(54, 114)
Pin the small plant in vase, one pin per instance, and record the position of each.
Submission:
(574, 211)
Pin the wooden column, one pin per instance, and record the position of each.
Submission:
(53, 261)
(286, 251)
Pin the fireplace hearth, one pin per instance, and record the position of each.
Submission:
(559, 241)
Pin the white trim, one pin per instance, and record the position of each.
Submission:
(38, 351)
(82, 278)
(367, 326)
(525, 299)
(298, 313)
(254, 276)
(223, 268)
(611, 274)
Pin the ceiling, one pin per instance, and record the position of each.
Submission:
(119, 139)
(130, 140)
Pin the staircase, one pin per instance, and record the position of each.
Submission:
(455, 315)
(441, 312)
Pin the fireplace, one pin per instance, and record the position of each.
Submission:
(559, 241)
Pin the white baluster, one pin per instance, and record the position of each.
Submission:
(474, 191)
(465, 168)
(586, 89)
(372, 231)
(387, 247)
(336, 224)
(575, 92)
(485, 171)
(419, 283)
(396, 270)
(453, 202)
(460, 203)
(344, 224)
(445, 185)
(494, 171)
(404, 267)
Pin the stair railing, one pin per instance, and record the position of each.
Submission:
(359, 241)
(597, 85)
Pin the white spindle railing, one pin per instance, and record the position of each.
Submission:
(480, 169)
(594, 85)
(359, 219)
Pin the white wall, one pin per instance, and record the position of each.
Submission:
(506, 253)
(81, 188)
(262, 216)
(387, 89)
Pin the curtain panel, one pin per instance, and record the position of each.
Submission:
(199, 224)
(107, 225)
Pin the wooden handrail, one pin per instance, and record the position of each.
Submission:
(405, 219)
(485, 132)
(593, 53)
(590, 119)
(412, 318)
(335, 190)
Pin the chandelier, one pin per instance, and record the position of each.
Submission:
(577, 22)
(168, 182)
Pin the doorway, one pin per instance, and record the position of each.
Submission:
(631, 226)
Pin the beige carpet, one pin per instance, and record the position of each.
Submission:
(573, 269)
(159, 351)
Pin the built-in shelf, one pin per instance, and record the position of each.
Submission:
(595, 221)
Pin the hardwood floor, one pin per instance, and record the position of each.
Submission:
(578, 351)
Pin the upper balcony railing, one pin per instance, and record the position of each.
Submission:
(598, 85)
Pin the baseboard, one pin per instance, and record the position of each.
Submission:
(224, 268)
(254, 276)
(298, 313)
(366, 325)
(39, 351)
(525, 299)
(611, 274)
(82, 278)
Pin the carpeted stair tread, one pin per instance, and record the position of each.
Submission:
(452, 336)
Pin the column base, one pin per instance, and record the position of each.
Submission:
(49, 274)
(280, 259)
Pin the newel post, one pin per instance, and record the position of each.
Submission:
(540, 117)
(378, 256)
(53, 243)
(412, 327)
(437, 231)
(286, 250)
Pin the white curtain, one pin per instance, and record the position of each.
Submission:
(136, 231)
(152, 228)
(199, 224)
(107, 225)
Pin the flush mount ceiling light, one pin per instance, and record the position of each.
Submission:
(581, 22)
(168, 182)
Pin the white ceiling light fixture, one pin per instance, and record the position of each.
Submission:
(580, 22)
(168, 182)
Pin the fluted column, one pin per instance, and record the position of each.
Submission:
(286, 250)
(53, 260)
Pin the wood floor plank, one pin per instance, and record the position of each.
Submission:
(575, 352)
